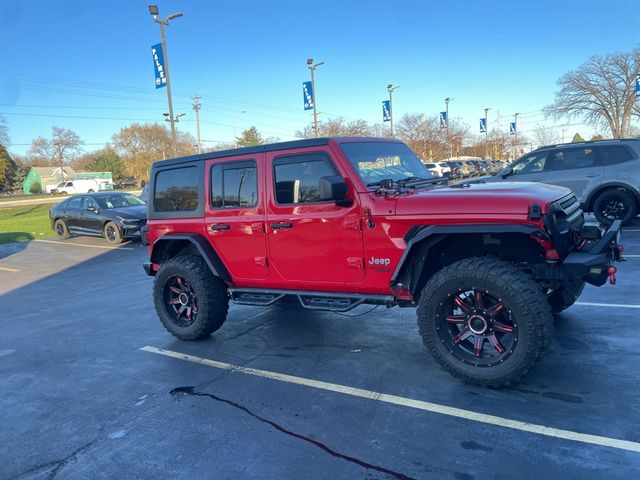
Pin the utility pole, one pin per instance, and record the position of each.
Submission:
(446, 109)
(486, 134)
(564, 129)
(312, 67)
(196, 108)
(391, 88)
(153, 10)
(235, 139)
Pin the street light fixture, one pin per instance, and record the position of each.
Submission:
(390, 89)
(153, 10)
(312, 67)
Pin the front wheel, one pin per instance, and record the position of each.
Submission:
(112, 233)
(484, 321)
(190, 301)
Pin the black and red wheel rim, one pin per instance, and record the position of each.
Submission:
(180, 301)
(477, 327)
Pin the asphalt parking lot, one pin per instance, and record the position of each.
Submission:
(91, 386)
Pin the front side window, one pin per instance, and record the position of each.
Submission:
(574, 158)
(118, 200)
(176, 190)
(234, 185)
(297, 177)
(89, 203)
(376, 161)
(533, 163)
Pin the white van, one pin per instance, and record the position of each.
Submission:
(71, 187)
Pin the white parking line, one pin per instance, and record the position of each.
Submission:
(409, 402)
(84, 245)
(5, 269)
(624, 255)
(617, 305)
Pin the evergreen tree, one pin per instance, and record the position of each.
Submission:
(577, 138)
(249, 137)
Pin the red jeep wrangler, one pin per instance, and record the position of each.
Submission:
(340, 222)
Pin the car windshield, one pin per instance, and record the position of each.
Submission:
(118, 201)
(376, 161)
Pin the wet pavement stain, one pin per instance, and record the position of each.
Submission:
(563, 397)
(473, 445)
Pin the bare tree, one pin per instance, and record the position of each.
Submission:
(64, 146)
(337, 127)
(543, 135)
(601, 92)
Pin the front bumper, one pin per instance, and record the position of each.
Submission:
(592, 263)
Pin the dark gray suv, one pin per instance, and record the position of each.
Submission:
(604, 175)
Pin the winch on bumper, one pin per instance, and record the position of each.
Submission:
(593, 263)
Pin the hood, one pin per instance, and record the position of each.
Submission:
(136, 211)
(480, 198)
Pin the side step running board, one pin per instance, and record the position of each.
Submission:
(328, 301)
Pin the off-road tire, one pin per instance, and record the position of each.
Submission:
(562, 298)
(523, 300)
(61, 229)
(615, 198)
(112, 233)
(210, 293)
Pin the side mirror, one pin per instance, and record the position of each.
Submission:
(334, 188)
(506, 172)
(93, 209)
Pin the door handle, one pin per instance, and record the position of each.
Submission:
(220, 226)
(279, 225)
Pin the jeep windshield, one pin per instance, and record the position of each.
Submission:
(378, 161)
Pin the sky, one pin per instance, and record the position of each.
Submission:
(87, 65)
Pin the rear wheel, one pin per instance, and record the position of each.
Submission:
(190, 301)
(112, 233)
(61, 229)
(484, 321)
(613, 205)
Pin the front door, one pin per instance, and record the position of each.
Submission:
(235, 215)
(91, 219)
(311, 241)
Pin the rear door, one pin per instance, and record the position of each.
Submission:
(311, 241)
(235, 214)
(577, 168)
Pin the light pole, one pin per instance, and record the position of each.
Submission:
(153, 10)
(312, 66)
(446, 105)
(391, 88)
(235, 141)
(515, 132)
(486, 134)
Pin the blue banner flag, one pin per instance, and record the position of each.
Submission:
(638, 86)
(443, 119)
(512, 128)
(483, 125)
(307, 93)
(386, 111)
(158, 65)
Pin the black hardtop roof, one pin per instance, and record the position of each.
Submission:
(270, 147)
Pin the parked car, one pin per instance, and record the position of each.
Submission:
(127, 183)
(115, 216)
(603, 174)
(334, 223)
(440, 169)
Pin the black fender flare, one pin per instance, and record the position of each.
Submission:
(205, 249)
(427, 236)
(588, 204)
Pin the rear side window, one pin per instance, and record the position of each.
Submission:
(614, 154)
(234, 185)
(176, 190)
(571, 158)
(75, 202)
(297, 177)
